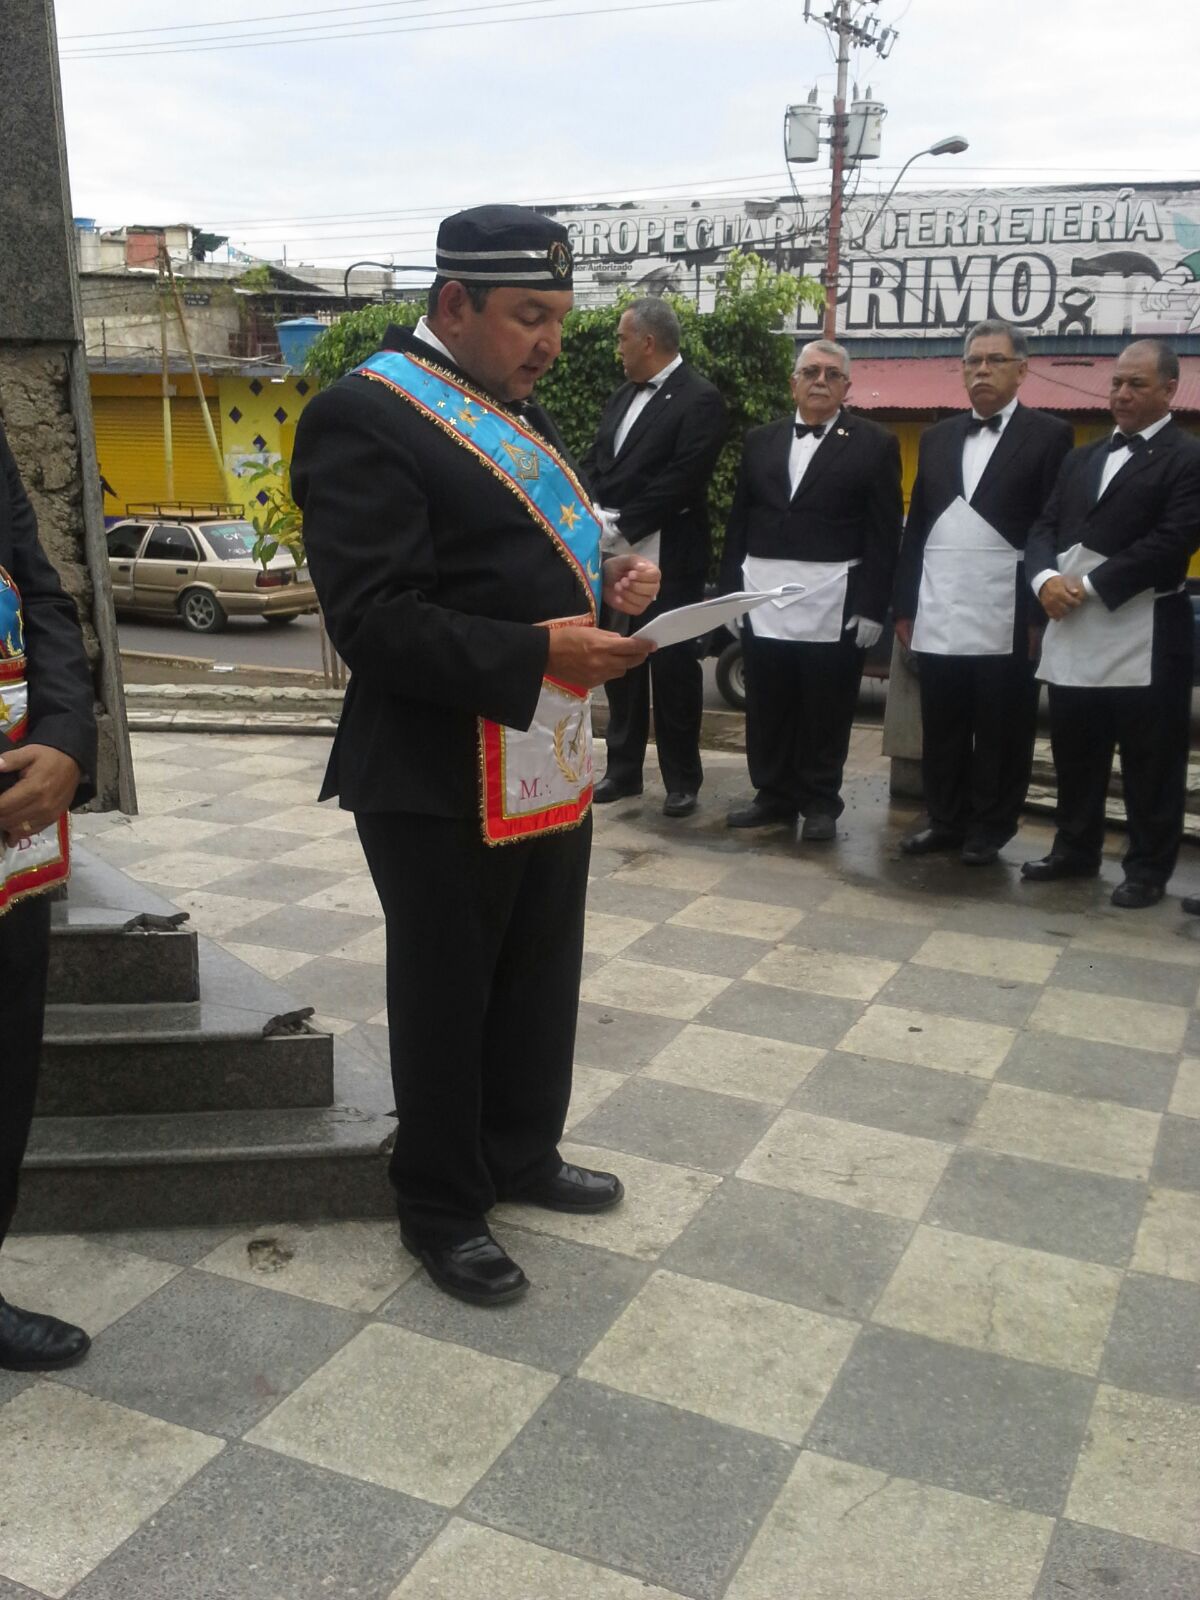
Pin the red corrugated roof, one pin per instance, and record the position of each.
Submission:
(1055, 383)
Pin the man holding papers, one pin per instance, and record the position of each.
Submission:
(962, 604)
(1107, 560)
(818, 503)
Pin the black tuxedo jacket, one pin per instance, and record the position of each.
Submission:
(62, 710)
(1011, 494)
(848, 506)
(660, 479)
(431, 576)
(1146, 523)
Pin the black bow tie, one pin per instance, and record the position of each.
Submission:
(645, 388)
(992, 424)
(817, 429)
(1133, 442)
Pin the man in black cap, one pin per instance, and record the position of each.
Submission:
(457, 561)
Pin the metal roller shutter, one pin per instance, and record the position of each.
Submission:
(129, 447)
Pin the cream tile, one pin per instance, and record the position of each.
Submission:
(466, 1562)
(378, 1410)
(217, 914)
(80, 1279)
(740, 1359)
(1012, 1301)
(851, 902)
(152, 774)
(857, 1166)
(184, 869)
(356, 1265)
(607, 936)
(1185, 1099)
(78, 1476)
(856, 1534)
(339, 852)
(734, 1063)
(590, 1087)
(1139, 1469)
(370, 946)
(677, 870)
(1168, 1240)
(661, 991)
(1094, 1135)
(355, 894)
(154, 802)
(751, 919)
(266, 959)
(1110, 1019)
(335, 1025)
(317, 821)
(1013, 959)
(1152, 943)
(823, 972)
(660, 1201)
(264, 765)
(284, 793)
(923, 1039)
(166, 833)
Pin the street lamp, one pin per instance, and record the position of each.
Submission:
(953, 145)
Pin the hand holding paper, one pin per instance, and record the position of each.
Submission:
(690, 622)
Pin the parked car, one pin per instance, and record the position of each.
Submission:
(726, 644)
(199, 566)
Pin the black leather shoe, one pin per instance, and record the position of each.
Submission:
(759, 815)
(31, 1342)
(574, 1189)
(1136, 895)
(608, 790)
(1051, 867)
(679, 803)
(926, 840)
(979, 854)
(1191, 904)
(818, 829)
(476, 1270)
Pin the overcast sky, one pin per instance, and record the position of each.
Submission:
(339, 148)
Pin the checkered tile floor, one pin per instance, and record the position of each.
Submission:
(904, 1303)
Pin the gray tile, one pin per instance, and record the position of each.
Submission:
(1090, 1070)
(1177, 1161)
(1082, 1214)
(979, 1423)
(670, 1496)
(256, 1525)
(212, 1354)
(183, 1246)
(16, 1591)
(578, 1292)
(11, 1384)
(620, 1041)
(763, 1008)
(697, 950)
(1099, 973)
(666, 1122)
(601, 861)
(793, 1247)
(624, 899)
(284, 884)
(959, 994)
(290, 928)
(1032, 917)
(778, 881)
(891, 1094)
(1154, 1342)
(1092, 1564)
(248, 844)
(353, 989)
(859, 936)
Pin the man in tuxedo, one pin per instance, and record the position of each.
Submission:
(649, 470)
(818, 503)
(1108, 559)
(962, 604)
(47, 711)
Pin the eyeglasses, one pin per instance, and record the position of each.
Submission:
(830, 374)
(993, 363)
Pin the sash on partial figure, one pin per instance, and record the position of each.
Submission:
(538, 780)
(39, 862)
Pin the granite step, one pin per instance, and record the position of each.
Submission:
(95, 961)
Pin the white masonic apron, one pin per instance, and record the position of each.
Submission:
(1092, 647)
(814, 617)
(967, 604)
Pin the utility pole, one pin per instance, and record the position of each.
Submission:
(168, 440)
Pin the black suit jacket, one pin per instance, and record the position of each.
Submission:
(1147, 524)
(431, 576)
(62, 710)
(660, 479)
(1015, 486)
(848, 506)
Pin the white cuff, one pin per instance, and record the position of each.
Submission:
(1088, 589)
(1044, 577)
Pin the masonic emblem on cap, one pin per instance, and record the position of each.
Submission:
(559, 257)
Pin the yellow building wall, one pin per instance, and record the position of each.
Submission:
(258, 425)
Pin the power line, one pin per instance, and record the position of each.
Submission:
(237, 22)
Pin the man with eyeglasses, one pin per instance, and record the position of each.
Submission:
(962, 604)
(1107, 560)
(818, 503)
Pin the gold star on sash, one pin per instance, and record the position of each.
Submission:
(6, 712)
(467, 417)
(569, 516)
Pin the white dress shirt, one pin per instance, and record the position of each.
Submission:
(1113, 464)
(803, 450)
(639, 403)
(978, 448)
(427, 336)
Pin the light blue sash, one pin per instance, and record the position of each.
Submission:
(539, 477)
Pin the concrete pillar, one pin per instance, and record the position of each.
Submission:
(902, 726)
(44, 394)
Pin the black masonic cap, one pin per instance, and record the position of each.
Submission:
(505, 247)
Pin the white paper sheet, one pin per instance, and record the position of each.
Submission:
(690, 622)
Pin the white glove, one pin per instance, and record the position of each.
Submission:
(610, 533)
(867, 633)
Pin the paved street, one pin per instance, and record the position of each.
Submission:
(903, 1304)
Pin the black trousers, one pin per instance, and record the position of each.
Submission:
(979, 721)
(24, 962)
(484, 949)
(800, 701)
(677, 680)
(1151, 728)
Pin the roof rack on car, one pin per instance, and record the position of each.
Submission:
(195, 511)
